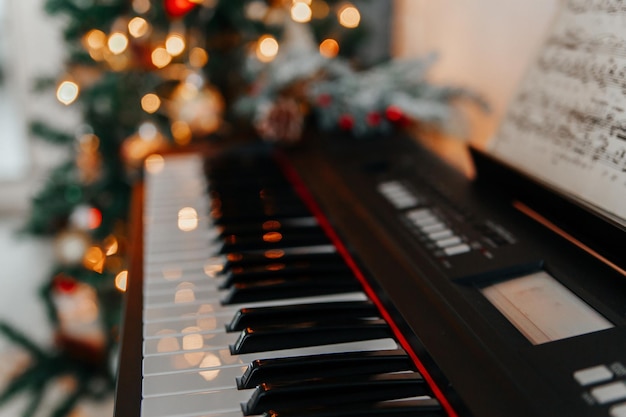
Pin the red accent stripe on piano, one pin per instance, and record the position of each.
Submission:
(308, 199)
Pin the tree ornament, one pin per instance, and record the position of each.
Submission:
(77, 309)
(346, 122)
(283, 121)
(85, 217)
(70, 246)
(178, 8)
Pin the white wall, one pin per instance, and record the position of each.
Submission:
(483, 44)
(35, 48)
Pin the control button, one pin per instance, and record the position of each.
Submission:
(593, 375)
(618, 410)
(451, 241)
(457, 250)
(610, 392)
(442, 234)
(433, 228)
(404, 202)
(426, 221)
(419, 214)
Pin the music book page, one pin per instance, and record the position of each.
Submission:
(567, 123)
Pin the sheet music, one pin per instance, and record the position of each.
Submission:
(567, 124)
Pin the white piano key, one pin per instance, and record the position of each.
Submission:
(185, 361)
(233, 413)
(184, 310)
(194, 381)
(185, 296)
(203, 322)
(187, 343)
(199, 255)
(191, 264)
(186, 404)
(160, 284)
(205, 283)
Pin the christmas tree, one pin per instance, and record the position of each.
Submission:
(151, 75)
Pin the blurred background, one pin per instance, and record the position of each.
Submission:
(483, 45)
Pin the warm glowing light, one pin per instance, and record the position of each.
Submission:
(192, 340)
(172, 274)
(349, 16)
(167, 343)
(320, 9)
(88, 142)
(117, 43)
(267, 48)
(187, 219)
(117, 62)
(67, 92)
(275, 267)
(141, 6)
(274, 253)
(155, 163)
(301, 12)
(121, 280)
(138, 27)
(272, 237)
(198, 57)
(160, 57)
(181, 132)
(111, 245)
(210, 360)
(94, 259)
(207, 323)
(150, 103)
(256, 10)
(148, 131)
(271, 225)
(212, 268)
(95, 39)
(175, 44)
(187, 91)
(329, 48)
(184, 295)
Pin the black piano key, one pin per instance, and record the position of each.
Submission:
(324, 366)
(314, 254)
(264, 316)
(271, 240)
(422, 407)
(292, 211)
(333, 266)
(276, 289)
(334, 391)
(274, 224)
(308, 334)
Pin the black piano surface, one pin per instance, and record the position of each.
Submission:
(375, 200)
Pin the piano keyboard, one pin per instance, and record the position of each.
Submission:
(249, 309)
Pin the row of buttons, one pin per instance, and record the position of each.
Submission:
(606, 393)
(427, 222)
(436, 231)
(398, 195)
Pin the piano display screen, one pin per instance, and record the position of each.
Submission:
(542, 309)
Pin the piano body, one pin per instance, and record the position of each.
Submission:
(368, 278)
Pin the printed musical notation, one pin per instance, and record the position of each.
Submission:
(567, 124)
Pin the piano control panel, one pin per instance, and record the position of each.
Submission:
(466, 245)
